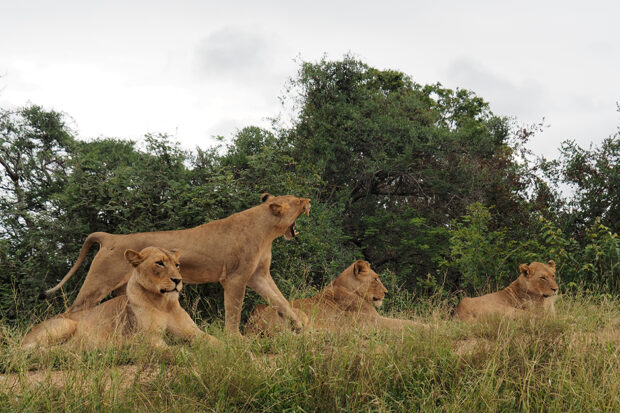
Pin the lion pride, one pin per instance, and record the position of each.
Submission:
(348, 301)
(235, 251)
(533, 291)
(151, 307)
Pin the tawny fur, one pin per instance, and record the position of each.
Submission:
(533, 293)
(151, 307)
(347, 302)
(235, 251)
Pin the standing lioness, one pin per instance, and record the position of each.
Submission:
(534, 290)
(235, 251)
(151, 307)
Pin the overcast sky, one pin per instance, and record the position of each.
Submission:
(195, 69)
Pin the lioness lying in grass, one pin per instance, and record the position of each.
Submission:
(534, 292)
(151, 307)
(347, 302)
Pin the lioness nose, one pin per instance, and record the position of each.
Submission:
(554, 289)
(176, 280)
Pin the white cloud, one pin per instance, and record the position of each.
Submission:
(198, 69)
(525, 97)
(233, 53)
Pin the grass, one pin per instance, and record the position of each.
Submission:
(571, 363)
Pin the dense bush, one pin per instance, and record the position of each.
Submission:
(486, 259)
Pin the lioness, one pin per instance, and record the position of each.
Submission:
(151, 306)
(236, 251)
(346, 302)
(534, 290)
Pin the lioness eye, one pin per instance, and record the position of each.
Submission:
(178, 266)
(160, 263)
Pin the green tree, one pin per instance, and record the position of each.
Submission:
(403, 159)
(34, 151)
(594, 174)
(33, 154)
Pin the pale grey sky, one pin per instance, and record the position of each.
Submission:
(195, 69)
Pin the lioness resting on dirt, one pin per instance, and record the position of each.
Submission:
(347, 302)
(151, 306)
(236, 251)
(533, 291)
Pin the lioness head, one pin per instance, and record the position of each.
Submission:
(360, 279)
(157, 270)
(286, 209)
(539, 278)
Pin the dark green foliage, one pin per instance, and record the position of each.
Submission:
(424, 182)
(404, 160)
(595, 175)
(486, 260)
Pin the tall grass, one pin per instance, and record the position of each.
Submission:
(571, 363)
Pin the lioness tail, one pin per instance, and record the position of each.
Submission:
(95, 237)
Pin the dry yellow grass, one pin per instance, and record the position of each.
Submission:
(571, 363)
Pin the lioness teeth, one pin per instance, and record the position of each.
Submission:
(292, 228)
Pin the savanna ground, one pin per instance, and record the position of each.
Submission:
(570, 363)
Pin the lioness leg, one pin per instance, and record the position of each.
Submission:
(108, 271)
(51, 331)
(234, 292)
(263, 284)
(549, 306)
(185, 328)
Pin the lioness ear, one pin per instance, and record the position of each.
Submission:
(265, 196)
(525, 270)
(134, 257)
(360, 266)
(551, 263)
(278, 209)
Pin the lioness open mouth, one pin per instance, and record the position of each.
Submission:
(290, 232)
(292, 228)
